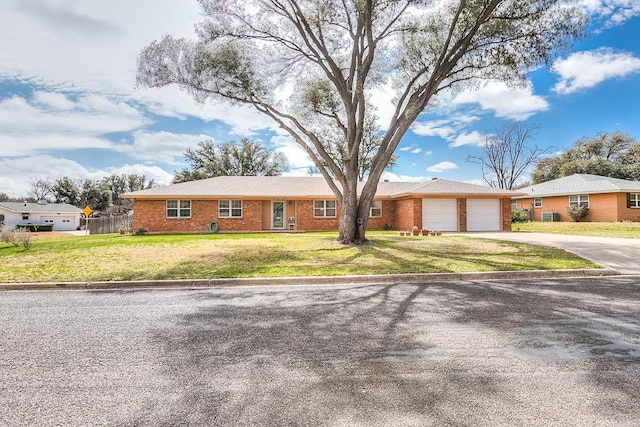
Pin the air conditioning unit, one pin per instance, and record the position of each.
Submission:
(550, 217)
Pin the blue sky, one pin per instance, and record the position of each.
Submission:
(69, 106)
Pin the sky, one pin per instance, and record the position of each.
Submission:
(69, 105)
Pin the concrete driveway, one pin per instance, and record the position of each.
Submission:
(621, 255)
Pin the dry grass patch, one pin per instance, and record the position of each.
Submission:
(626, 229)
(115, 257)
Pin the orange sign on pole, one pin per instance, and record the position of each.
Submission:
(87, 211)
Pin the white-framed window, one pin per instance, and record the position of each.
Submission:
(634, 200)
(582, 200)
(178, 208)
(230, 208)
(376, 209)
(537, 202)
(324, 208)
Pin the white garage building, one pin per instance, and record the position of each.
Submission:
(62, 216)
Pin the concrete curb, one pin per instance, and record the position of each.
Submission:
(313, 280)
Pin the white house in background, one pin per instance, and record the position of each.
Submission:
(63, 216)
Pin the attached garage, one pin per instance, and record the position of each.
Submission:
(483, 215)
(440, 214)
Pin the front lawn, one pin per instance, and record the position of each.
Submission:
(628, 230)
(123, 257)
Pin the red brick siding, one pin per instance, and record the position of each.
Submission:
(506, 214)
(388, 218)
(625, 213)
(462, 214)
(406, 214)
(151, 215)
(602, 207)
(307, 222)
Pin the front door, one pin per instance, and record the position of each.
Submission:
(277, 219)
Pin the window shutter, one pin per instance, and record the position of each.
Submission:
(628, 200)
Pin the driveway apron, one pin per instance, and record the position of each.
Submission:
(621, 255)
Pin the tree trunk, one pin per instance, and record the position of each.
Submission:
(354, 215)
(353, 223)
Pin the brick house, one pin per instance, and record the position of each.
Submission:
(608, 199)
(248, 203)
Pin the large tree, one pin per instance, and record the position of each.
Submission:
(507, 153)
(311, 65)
(615, 154)
(246, 158)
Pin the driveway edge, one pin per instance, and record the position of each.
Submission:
(310, 280)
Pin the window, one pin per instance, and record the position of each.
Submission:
(178, 208)
(324, 208)
(25, 216)
(537, 202)
(633, 200)
(376, 209)
(579, 201)
(230, 208)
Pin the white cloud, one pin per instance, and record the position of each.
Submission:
(52, 40)
(159, 175)
(505, 101)
(403, 178)
(441, 128)
(299, 161)
(52, 121)
(615, 12)
(382, 98)
(442, 166)
(28, 168)
(162, 146)
(472, 138)
(583, 70)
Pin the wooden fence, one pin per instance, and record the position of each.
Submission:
(108, 224)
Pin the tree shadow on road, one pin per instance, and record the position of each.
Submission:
(432, 354)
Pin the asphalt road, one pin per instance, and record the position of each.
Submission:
(546, 352)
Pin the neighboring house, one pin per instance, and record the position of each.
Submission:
(249, 203)
(608, 199)
(62, 216)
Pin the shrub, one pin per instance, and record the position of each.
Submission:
(140, 231)
(519, 215)
(577, 213)
(16, 237)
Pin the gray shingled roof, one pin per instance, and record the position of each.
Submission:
(580, 184)
(38, 208)
(256, 187)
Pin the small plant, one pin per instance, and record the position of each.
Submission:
(577, 213)
(519, 215)
(141, 231)
(16, 237)
(387, 227)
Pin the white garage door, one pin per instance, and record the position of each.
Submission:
(483, 215)
(440, 214)
(60, 223)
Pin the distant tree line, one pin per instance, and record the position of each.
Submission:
(615, 155)
(101, 195)
(508, 153)
(245, 158)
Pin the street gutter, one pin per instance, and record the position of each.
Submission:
(311, 280)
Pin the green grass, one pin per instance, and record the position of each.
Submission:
(118, 257)
(628, 230)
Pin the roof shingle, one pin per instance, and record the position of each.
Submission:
(257, 187)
